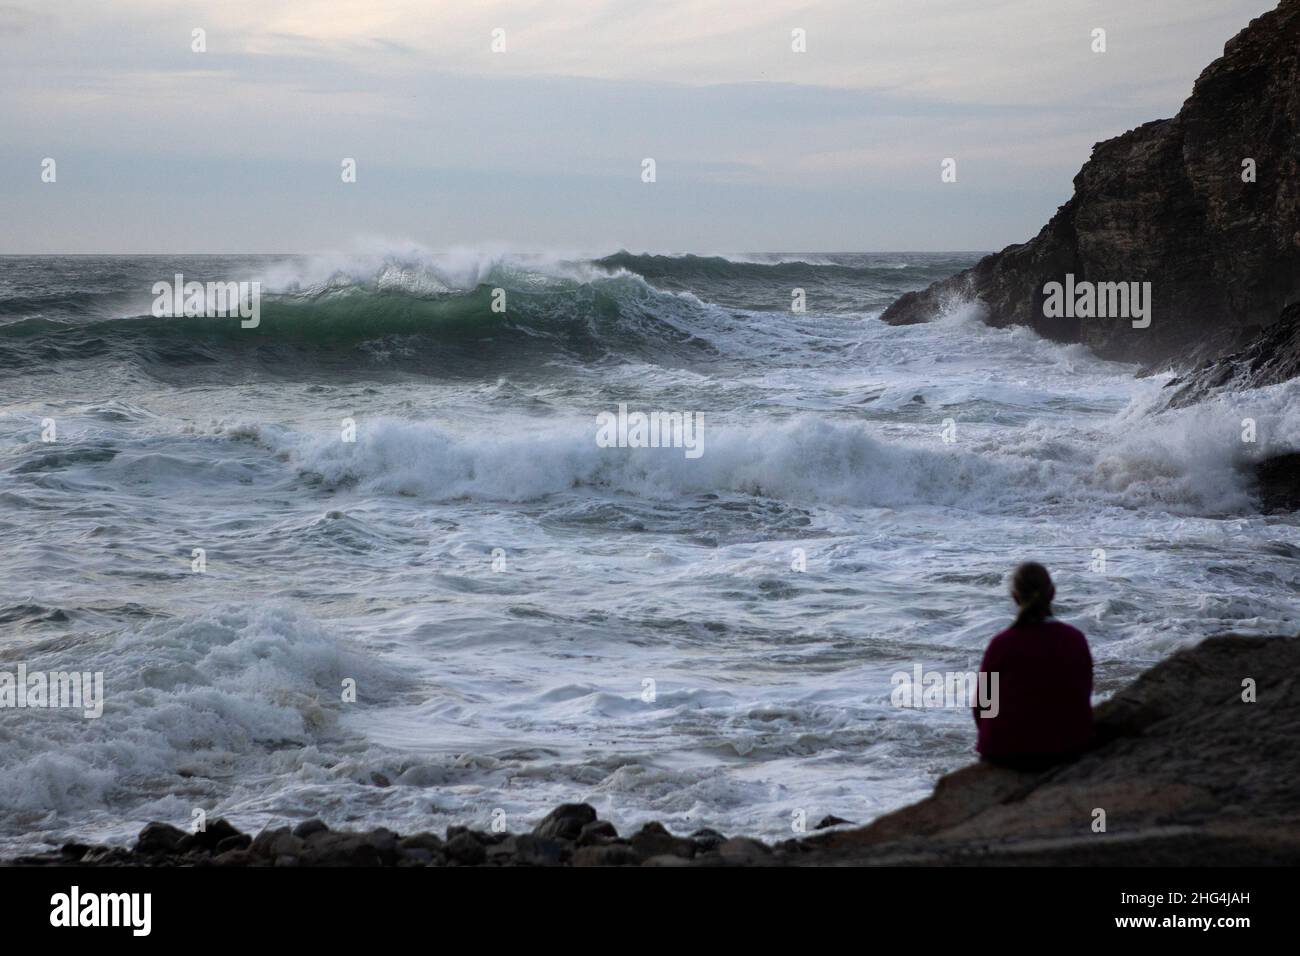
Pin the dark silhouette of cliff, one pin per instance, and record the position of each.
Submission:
(1167, 203)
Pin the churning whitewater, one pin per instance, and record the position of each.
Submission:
(391, 486)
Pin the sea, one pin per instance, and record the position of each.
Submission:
(372, 560)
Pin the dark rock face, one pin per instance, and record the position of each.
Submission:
(597, 833)
(708, 839)
(828, 822)
(240, 841)
(1278, 481)
(614, 855)
(1166, 203)
(528, 849)
(465, 849)
(159, 838)
(212, 836)
(276, 843)
(1271, 358)
(566, 821)
(308, 827)
(653, 839)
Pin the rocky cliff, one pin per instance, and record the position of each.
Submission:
(1170, 203)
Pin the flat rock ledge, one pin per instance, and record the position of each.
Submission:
(1189, 772)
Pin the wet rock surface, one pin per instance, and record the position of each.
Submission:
(1270, 358)
(1278, 482)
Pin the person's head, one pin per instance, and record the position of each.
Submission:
(1032, 590)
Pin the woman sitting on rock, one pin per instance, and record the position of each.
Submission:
(1042, 714)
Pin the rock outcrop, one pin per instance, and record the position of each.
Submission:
(1271, 358)
(1277, 481)
(1189, 772)
(1168, 203)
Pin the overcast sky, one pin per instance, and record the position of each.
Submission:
(757, 148)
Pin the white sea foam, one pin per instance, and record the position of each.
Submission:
(502, 588)
(202, 697)
(417, 270)
(1189, 460)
